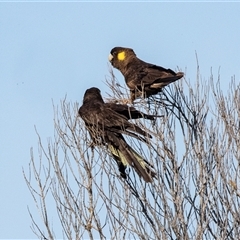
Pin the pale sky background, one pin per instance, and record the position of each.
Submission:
(48, 50)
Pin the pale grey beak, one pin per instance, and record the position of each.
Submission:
(110, 57)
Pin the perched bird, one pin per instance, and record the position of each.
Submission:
(107, 122)
(142, 78)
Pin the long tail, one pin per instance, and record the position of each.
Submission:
(128, 156)
(162, 82)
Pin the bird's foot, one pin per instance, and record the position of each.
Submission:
(126, 101)
(120, 101)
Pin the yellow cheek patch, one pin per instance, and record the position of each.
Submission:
(121, 56)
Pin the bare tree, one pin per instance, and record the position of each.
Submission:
(195, 150)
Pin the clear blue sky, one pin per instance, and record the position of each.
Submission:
(48, 50)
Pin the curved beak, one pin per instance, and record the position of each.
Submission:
(110, 57)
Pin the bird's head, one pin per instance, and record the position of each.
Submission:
(119, 56)
(92, 94)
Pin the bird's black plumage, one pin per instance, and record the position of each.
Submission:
(129, 112)
(142, 78)
(106, 123)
